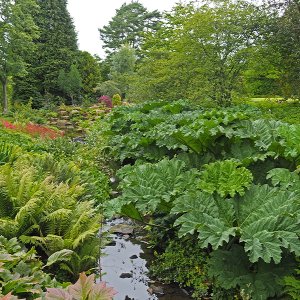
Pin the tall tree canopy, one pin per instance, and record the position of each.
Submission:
(128, 26)
(200, 53)
(122, 67)
(56, 49)
(285, 40)
(17, 30)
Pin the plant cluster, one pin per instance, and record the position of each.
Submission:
(227, 178)
(33, 129)
(51, 199)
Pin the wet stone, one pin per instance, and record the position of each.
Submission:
(122, 229)
(111, 243)
(126, 275)
(133, 256)
(156, 289)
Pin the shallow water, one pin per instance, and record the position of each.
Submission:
(129, 258)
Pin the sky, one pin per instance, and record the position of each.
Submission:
(89, 15)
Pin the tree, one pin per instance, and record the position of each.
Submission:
(90, 72)
(56, 49)
(284, 39)
(70, 83)
(122, 68)
(17, 30)
(205, 52)
(128, 26)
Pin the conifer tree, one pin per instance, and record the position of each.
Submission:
(56, 49)
(17, 30)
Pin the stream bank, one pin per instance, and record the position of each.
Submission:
(125, 263)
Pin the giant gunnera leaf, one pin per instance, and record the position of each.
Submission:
(231, 269)
(152, 187)
(265, 219)
(226, 178)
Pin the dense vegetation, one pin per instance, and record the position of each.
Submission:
(207, 160)
(226, 180)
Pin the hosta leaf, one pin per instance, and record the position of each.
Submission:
(226, 178)
(261, 280)
(63, 255)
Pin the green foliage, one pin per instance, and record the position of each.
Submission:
(16, 35)
(226, 178)
(70, 82)
(128, 25)
(241, 201)
(108, 88)
(185, 263)
(256, 219)
(83, 289)
(153, 187)
(90, 72)
(52, 204)
(116, 99)
(292, 285)
(258, 281)
(200, 52)
(55, 49)
(21, 272)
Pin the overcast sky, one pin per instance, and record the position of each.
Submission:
(89, 15)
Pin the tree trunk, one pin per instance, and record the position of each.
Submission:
(4, 95)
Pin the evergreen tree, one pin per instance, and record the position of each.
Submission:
(70, 83)
(56, 49)
(128, 26)
(17, 30)
(90, 72)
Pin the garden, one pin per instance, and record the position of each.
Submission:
(217, 192)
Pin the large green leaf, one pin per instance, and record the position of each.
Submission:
(259, 281)
(285, 179)
(211, 216)
(59, 256)
(153, 186)
(225, 177)
(265, 219)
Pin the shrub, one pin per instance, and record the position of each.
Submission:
(106, 100)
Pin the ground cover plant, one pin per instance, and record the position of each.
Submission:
(228, 178)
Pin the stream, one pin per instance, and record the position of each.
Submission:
(124, 264)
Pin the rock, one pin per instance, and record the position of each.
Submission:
(122, 229)
(111, 243)
(62, 122)
(156, 289)
(74, 112)
(133, 256)
(126, 275)
(126, 236)
(63, 112)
